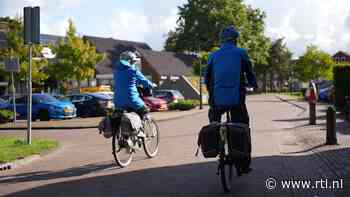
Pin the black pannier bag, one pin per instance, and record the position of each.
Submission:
(209, 140)
(239, 139)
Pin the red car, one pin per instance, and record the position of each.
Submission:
(155, 104)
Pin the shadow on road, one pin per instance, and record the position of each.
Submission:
(191, 180)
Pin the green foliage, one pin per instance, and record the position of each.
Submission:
(279, 63)
(200, 22)
(201, 63)
(12, 148)
(184, 105)
(6, 115)
(76, 58)
(341, 84)
(16, 48)
(314, 64)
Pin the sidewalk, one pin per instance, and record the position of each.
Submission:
(81, 123)
(312, 138)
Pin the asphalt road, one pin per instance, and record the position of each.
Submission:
(84, 166)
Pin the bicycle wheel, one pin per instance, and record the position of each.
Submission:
(226, 175)
(151, 141)
(122, 152)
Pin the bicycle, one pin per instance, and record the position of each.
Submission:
(125, 145)
(228, 156)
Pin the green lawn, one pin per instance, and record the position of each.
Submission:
(294, 95)
(13, 148)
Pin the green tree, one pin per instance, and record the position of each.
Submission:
(76, 58)
(16, 48)
(279, 63)
(314, 64)
(200, 22)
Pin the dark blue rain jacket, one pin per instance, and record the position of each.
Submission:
(225, 75)
(126, 79)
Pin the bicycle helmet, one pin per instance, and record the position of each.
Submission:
(229, 33)
(129, 57)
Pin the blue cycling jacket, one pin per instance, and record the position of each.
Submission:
(224, 73)
(126, 79)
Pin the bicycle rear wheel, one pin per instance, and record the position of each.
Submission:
(226, 175)
(151, 141)
(122, 152)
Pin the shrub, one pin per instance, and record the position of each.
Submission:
(184, 105)
(6, 115)
(341, 84)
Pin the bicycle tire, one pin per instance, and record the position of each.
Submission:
(148, 151)
(117, 157)
(226, 175)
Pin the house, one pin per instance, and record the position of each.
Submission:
(3, 43)
(166, 69)
(112, 49)
(341, 57)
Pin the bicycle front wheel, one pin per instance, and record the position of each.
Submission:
(151, 141)
(226, 175)
(122, 152)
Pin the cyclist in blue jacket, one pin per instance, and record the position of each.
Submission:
(127, 78)
(225, 78)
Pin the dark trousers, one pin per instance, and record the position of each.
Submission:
(238, 114)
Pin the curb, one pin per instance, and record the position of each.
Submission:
(94, 126)
(26, 160)
(290, 102)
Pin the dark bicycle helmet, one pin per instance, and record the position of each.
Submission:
(229, 33)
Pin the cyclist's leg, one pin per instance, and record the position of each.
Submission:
(215, 114)
(142, 112)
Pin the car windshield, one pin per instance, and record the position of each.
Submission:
(101, 96)
(44, 98)
(177, 93)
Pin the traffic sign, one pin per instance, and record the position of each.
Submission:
(12, 65)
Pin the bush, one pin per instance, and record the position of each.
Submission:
(184, 105)
(341, 84)
(6, 115)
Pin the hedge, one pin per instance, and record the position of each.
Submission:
(184, 105)
(341, 84)
(6, 115)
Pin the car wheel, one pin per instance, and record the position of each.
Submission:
(44, 115)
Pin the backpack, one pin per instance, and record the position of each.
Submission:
(105, 127)
(209, 140)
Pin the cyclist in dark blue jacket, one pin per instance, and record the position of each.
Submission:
(225, 78)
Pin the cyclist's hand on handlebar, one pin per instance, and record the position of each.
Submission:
(154, 85)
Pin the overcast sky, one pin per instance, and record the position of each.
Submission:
(302, 22)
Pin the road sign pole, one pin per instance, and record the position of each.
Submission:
(29, 110)
(14, 98)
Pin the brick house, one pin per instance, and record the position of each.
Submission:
(341, 57)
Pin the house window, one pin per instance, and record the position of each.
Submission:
(343, 59)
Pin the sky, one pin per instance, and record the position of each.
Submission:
(325, 23)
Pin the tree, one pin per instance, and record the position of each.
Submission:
(76, 58)
(200, 22)
(16, 48)
(279, 63)
(314, 64)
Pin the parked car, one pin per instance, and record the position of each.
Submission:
(91, 104)
(44, 107)
(110, 94)
(3, 104)
(155, 104)
(325, 94)
(170, 96)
